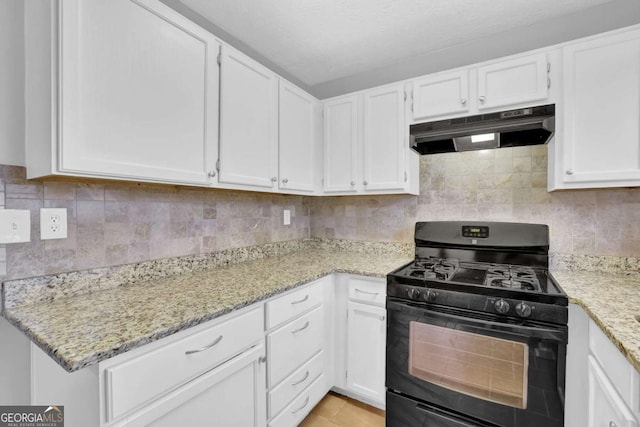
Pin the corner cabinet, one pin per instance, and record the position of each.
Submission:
(598, 140)
(341, 131)
(124, 89)
(299, 122)
(248, 122)
(366, 145)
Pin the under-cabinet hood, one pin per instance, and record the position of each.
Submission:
(513, 128)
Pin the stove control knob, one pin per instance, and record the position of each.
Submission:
(523, 310)
(413, 293)
(430, 295)
(502, 306)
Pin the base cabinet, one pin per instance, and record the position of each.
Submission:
(297, 352)
(361, 345)
(606, 407)
(602, 387)
(229, 396)
(366, 346)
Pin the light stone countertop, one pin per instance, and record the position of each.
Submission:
(81, 330)
(612, 300)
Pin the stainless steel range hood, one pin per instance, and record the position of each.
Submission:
(513, 128)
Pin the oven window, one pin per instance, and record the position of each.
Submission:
(485, 367)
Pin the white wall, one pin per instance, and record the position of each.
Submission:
(12, 82)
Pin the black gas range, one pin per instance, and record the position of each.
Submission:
(477, 329)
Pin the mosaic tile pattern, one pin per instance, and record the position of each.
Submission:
(508, 184)
(113, 223)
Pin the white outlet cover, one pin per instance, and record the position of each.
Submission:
(53, 223)
(287, 217)
(15, 225)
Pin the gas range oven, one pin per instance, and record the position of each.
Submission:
(477, 329)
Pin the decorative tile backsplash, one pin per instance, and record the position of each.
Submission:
(112, 223)
(120, 223)
(508, 184)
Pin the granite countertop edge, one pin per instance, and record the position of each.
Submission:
(618, 328)
(72, 365)
(612, 301)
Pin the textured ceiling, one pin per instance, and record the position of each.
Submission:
(333, 47)
(322, 40)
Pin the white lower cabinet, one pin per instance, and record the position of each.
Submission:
(297, 410)
(366, 350)
(297, 352)
(361, 346)
(231, 395)
(606, 407)
(602, 387)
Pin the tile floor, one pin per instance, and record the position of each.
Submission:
(336, 410)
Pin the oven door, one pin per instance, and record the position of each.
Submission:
(494, 370)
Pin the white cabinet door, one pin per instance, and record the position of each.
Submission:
(606, 408)
(248, 122)
(231, 395)
(341, 144)
(297, 148)
(512, 82)
(600, 140)
(138, 93)
(384, 142)
(366, 343)
(441, 94)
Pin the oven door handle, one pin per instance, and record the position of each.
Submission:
(447, 418)
(558, 334)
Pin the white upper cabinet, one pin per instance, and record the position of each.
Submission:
(299, 117)
(384, 138)
(598, 143)
(341, 144)
(127, 90)
(441, 94)
(508, 83)
(512, 82)
(366, 146)
(248, 122)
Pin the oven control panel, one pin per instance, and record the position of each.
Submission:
(475, 231)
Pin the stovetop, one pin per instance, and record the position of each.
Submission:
(515, 277)
(482, 267)
(482, 278)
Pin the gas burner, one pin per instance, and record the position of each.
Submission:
(512, 277)
(434, 268)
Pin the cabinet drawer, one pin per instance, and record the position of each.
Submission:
(367, 291)
(289, 306)
(139, 380)
(301, 406)
(293, 344)
(295, 383)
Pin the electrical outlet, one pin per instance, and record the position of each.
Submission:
(53, 223)
(287, 217)
(15, 226)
